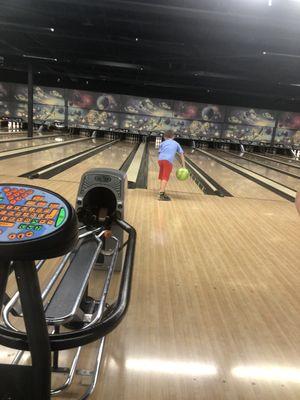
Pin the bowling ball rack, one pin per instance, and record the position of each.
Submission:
(63, 315)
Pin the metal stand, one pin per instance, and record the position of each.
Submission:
(4, 272)
(17, 381)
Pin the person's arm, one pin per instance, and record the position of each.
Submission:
(297, 202)
(180, 151)
(182, 160)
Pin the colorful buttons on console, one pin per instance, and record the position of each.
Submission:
(27, 213)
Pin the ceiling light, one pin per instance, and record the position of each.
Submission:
(270, 3)
(52, 29)
(39, 58)
(136, 39)
(264, 53)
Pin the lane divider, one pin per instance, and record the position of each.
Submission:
(133, 170)
(33, 149)
(247, 158)
(21, 138)
(275, 187)
(274, 160)
(204, 181)
(59, 166)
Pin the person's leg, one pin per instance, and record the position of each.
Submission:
(165, 171)
(163, 185)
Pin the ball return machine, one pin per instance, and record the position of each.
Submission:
(36, 225)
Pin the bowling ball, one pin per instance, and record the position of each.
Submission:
(182, 174)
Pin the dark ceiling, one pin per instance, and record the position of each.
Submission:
(228, 51)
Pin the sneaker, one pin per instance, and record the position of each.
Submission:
(164, 197)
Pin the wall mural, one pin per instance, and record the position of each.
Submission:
(19, 93)
(251, 116)
(5, 108)
(81, 118)
(287, 137)
(4, 90)
(154, 124)
(19, 110)
(102, 111)
(90, 100)
(248, 133)
(289, 120)
(196, 111)
(199, 129)
(49, 96)
(45, 113)
(146, 106)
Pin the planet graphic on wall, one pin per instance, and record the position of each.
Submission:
(106, 102)
(103, 103)
(290, 120)
(187, 110)
(191, 111)
(82, 100)
(208, 113)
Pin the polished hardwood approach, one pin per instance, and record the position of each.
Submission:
(214, 313)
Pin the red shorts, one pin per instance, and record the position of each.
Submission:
(165, 169)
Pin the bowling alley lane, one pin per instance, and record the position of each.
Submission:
(113, 157)
(293, 183)
(37, 141)
(28, 162)
(267, 162)
(174, 186)
(234, 183)
(281, 157)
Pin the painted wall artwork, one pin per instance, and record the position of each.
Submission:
(49, 96)
(197, 111)
(289, 120)
(251, 116)
(93, 101)
(248, 133)
(287, 137)
(98, 110)
(147, 106)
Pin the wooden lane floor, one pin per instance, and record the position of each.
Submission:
(175, 187)
(5, 146)
(214, 311)
(216, 317)
(113, 157)
(233, 182)
(5, 134)
(267, 161)
(284, 158)
(28, 162)
(24, 138)
(292, 183)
